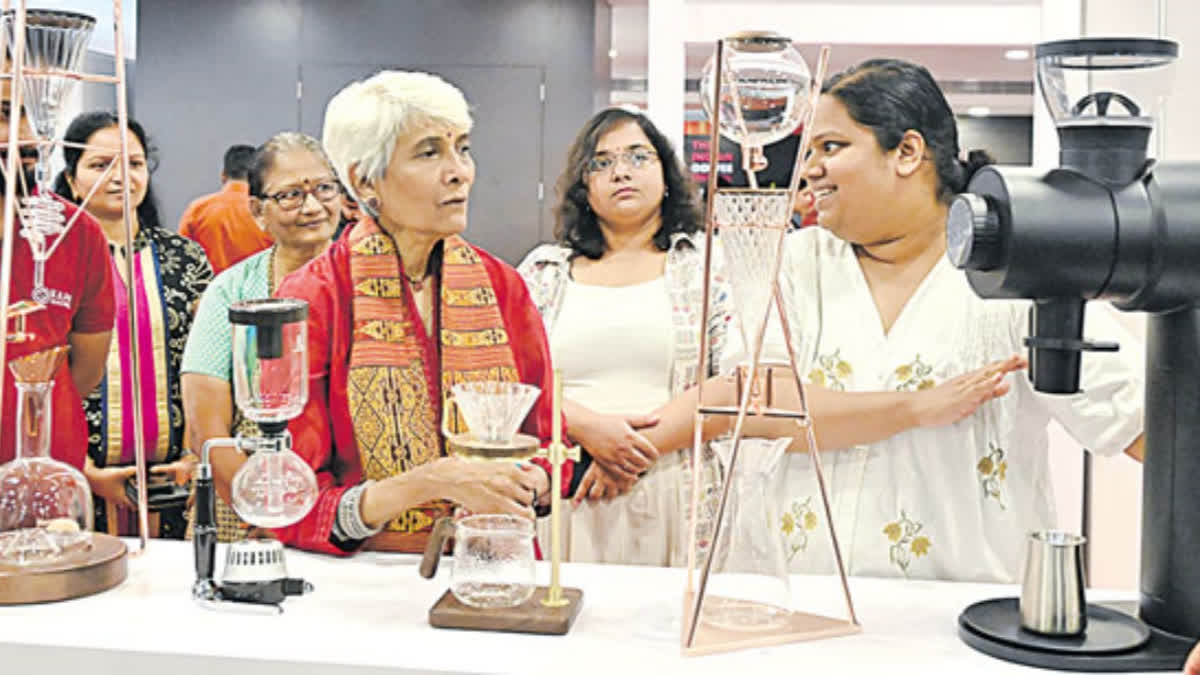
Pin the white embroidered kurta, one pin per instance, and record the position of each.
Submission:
(954, 502)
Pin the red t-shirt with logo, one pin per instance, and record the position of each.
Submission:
(80, 286)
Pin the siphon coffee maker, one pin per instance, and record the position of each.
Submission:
(275, 487)
(1127, 229)
(493, 583)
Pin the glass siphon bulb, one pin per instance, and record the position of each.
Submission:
(274, 488)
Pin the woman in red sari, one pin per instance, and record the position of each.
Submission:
(401, 308)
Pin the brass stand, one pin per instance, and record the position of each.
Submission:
(551, 610)
(97, 569)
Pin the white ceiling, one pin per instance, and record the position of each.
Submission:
(957, 66)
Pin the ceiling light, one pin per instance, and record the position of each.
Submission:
(1016, 54)
(979, 111)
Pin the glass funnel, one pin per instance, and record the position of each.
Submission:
(765, 92)
(55, 44)
(493, 411)
(752, 224)
(1105, 81)
(45, 505)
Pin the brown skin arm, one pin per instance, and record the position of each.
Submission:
(87, 359)
(1137, 450)
(841, 419)
(1192, 667)
(208, 407)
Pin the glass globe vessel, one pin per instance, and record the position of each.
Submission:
(274, 488)
(45, 505)
(765, 92)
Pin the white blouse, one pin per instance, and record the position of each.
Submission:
(612, 344)
(955, 502)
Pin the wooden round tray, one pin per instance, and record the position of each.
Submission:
(97, 569)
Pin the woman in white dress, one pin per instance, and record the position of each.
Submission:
(621, 297)
(875, 306)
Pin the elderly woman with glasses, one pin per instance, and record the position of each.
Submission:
(402, 308)
(295, 197)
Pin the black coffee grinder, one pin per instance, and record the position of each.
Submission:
(1108, 223)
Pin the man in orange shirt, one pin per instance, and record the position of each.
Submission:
(221, 222)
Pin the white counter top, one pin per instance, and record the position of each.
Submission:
(368, 615)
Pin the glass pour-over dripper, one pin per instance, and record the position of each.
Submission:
(45, 505)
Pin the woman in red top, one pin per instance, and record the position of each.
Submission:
(401, 308)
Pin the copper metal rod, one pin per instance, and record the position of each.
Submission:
(12, 157)
(78, 212)
(806, 134)
(139, 441)
(814, 451)
(66, 75)
(714, 146)
(743, 407)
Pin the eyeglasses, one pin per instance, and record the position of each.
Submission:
(290, 200)
(636, 158)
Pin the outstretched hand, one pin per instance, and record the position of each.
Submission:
(960, 397)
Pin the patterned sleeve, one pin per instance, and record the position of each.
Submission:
(210, 340)
(720, 312)
(539, 270)
(198, 273)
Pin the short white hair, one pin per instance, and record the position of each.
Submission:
(363, 120)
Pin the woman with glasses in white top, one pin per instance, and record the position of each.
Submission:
(621, 297)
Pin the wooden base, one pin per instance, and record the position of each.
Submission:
(790, 627)
(530, 617)
(97, 569)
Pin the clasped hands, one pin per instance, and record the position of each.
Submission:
(620, 454)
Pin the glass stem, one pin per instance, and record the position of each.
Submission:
(33, 419)
(274, 481)
(41, 174)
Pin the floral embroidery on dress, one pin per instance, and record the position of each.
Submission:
(914, 376)
(993, 469)
(905, 544)
(831, 372)
(796, 525)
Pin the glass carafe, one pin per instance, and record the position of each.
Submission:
(748, 584)
(45, 505)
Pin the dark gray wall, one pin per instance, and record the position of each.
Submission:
(1008, 139)
(95, 95)
(214, 73)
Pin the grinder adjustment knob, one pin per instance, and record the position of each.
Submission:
(973, 233)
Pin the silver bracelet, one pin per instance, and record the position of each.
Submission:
(349, 524)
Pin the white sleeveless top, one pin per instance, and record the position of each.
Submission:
(613, 345)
